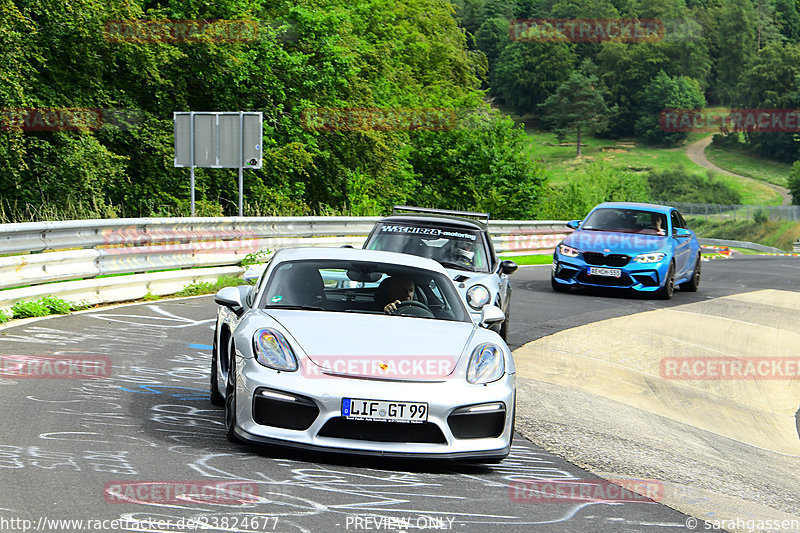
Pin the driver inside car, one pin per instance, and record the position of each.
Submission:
(398, 289)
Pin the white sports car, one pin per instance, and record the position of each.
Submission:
(364, 352)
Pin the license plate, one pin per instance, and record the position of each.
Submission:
(610, 272)
(384, 411)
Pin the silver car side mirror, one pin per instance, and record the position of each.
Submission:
(490, 315)
(229, 297)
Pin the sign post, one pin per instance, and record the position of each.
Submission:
(218, 139)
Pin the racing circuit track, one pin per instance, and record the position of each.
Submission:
(64, 442)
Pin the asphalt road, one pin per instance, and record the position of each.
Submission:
(68, 445)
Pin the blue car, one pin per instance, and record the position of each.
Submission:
(643, 247)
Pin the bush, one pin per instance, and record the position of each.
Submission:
(677, 184)
(760, 216)
(596, 183)
(30, 309)
(57, 306)
(204, 287)
(4, 317)
(255, 258)
(794, 183)
(726, 140)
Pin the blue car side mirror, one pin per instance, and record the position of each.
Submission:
(681, 232)
(573, 224)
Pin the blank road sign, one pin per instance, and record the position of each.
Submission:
(217, 137)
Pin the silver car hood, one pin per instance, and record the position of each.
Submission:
(330, 338)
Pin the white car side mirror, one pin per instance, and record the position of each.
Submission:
(490, 315)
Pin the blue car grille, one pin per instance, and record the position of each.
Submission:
(613, 260)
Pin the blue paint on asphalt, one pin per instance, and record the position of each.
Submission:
(201, 346)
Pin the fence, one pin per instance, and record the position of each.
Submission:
(83, 260)
(738, 212)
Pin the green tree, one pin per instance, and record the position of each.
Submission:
(788, 19)
(492, 38)
(666, 92)
(528, 72)
(577, 106)
(737, 45)
(480, 164)
(794, 183)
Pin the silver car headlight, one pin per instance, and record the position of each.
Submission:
(650, 258)
(273, 351)
(487, 364)
(477, 296)
(569, 251)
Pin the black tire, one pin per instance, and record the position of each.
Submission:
(558, 287)
(216, 398)
(694, 282)
(230, 401)
(666, 292)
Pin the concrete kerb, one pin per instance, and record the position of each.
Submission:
(723, 449)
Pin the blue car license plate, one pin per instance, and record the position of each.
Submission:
(384, 411)
(609, 272)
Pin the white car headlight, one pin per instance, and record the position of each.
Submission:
(487, 364)
(273, 351)
(569, 251)
(650, 258)
(477, 296)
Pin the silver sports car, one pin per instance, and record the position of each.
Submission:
(365, 352)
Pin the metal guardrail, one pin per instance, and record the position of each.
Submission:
(81, 260)
(741, 244)
(738, 212)
(78, 254)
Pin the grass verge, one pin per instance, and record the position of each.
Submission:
(780, 234)
(51, 305)
(538, 259)
(633, 156)
(737, 160)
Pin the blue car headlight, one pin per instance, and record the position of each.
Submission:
(569, 251)
(477, 296)
(273, 351)
(487, 364)
(654, 257)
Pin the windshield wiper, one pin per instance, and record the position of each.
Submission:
(459, 266)
(301, 307)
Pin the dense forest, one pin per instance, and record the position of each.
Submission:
(308, 55)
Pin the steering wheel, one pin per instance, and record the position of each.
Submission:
(414, 307)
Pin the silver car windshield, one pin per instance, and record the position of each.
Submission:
(626, 221)
(453, 248)
(362, 287)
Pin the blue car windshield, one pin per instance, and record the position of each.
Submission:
(626, 221)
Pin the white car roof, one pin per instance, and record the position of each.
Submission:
(358, 254)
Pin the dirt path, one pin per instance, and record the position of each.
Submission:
(697, 153)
